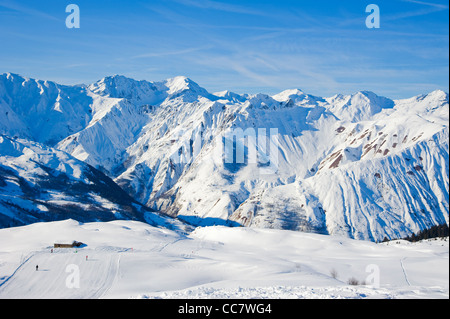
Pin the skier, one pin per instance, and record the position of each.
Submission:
(37, 267)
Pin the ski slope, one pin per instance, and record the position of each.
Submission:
(98, 275)
(129, 259)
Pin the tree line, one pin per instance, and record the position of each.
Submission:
(432, 232)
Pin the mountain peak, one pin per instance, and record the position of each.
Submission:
(145, 92)
(120, 86)
(113, 81)
(180, 84)
(376, 101)
(358, 106)
(438, 94)
(288, 94)
(14, 77)
(231, 96)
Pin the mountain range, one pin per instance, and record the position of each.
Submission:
(173, 154)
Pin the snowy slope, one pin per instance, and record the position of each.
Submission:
(39, 183)
(130, 259)
(391, 171)
(360, 165)
(42, 111)
(174, 167)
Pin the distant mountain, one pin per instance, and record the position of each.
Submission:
(360, 165)
(42, 111)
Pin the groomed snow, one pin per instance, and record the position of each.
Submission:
(129, 259)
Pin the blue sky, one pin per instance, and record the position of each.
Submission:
(321, 47)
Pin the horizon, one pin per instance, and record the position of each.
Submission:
(216, 92)
(323, 48)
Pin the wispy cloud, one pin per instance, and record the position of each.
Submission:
(430, 4)
(430, 7)
(426, 9)
(221, 6)
(411, 14)
(168, 53)
(12, 5)
(243, 46)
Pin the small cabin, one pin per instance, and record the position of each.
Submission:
(62, 244)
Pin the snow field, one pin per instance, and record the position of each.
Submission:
(128, 259)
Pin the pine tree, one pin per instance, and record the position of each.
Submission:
(432, 232)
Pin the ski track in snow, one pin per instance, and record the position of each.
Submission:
(49, 281)
(404, 271)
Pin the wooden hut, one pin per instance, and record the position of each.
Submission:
(64, 244)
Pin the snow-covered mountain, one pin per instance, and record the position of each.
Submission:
(40, 183)
(358, 165)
